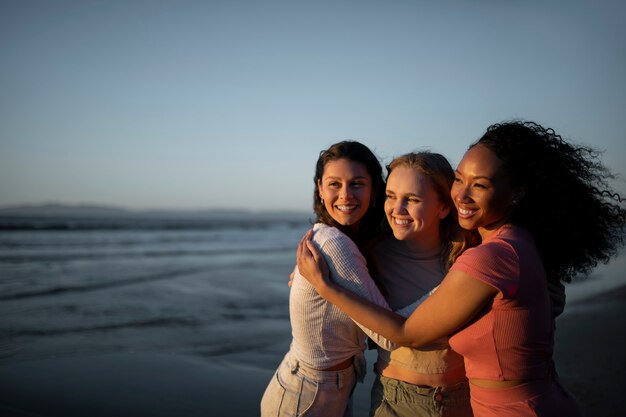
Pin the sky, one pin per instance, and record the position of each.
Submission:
(227, 104)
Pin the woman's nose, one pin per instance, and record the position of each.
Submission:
(399, 206)
(461, 193)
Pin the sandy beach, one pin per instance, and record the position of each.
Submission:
(590, 336)
(128, 385)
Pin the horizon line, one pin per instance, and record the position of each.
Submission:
(120, 207)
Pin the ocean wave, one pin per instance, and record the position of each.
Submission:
(173, 274)
(151, 322)
(87, 223)
(65, 256)
(100, 285)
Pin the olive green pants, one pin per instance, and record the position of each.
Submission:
(393, 398)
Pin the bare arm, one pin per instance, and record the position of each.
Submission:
(457, 300)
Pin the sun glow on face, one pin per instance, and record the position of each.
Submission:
(346, 189)
(481, 191)
(413, 207)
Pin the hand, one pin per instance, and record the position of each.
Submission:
(311, 263)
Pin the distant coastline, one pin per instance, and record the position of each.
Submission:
(55, 216)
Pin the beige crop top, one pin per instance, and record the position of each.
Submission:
(405, 276)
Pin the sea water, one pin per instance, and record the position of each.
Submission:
(203, 287)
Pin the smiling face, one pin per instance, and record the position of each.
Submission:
(346, 188)
(482, 192)
(413, 207)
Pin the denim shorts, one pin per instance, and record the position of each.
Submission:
(297, 390)
(394, 398)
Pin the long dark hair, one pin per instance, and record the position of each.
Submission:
(575, 217)
(370, 224)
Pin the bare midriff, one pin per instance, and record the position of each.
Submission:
(445, 379)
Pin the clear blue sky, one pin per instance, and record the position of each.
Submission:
(198, 104)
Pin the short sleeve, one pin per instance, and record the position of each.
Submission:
(495, 263)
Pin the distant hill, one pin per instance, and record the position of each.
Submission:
(61, 210)
(86, 216)
(90, 210)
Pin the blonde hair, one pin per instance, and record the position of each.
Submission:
(454, 239)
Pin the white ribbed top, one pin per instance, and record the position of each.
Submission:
(323, 335)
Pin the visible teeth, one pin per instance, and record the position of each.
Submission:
(465, 212)
(400, 222)
(346, 208)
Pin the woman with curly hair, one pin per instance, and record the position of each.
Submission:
(543, 211)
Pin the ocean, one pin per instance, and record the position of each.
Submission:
(210, 287)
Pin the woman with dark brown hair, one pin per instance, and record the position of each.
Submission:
(325, 359)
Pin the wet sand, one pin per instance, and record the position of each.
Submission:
(589, 352)
(128, 384)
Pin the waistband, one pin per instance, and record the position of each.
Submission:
(297, 366)
(395, 383)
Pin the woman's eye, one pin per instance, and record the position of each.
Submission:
(477, 185)
(389, 197)
(414, 200)
(457, 179)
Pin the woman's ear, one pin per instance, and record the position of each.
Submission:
(319, 188)
(445, 210)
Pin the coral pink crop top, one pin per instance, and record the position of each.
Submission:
(513, 338)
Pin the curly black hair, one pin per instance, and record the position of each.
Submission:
(575, 217)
